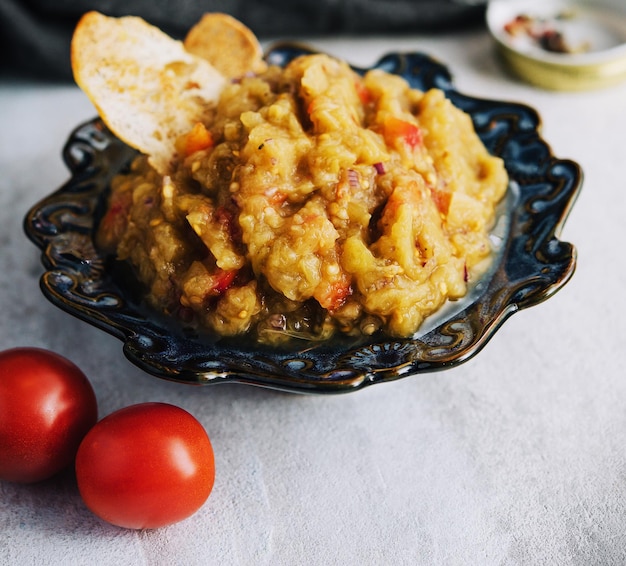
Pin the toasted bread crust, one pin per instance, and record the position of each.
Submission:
(229, 45)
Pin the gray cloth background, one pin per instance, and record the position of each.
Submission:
(35, 34)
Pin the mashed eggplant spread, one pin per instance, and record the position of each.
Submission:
(311, 201)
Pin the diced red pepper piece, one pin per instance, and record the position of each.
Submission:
(441, 199)
(364, 93)
(198, 138)
(221, 280)
(395, 128)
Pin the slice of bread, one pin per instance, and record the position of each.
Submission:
(147, 88)
(229, 45)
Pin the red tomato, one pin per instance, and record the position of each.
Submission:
(47, 405)
(145, 466)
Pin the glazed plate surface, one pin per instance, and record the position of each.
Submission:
(530, 262)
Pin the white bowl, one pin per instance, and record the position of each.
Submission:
(595, 31)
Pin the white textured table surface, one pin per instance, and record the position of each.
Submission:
(516, 457)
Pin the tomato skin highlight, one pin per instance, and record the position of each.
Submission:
(145, 466)
(47, 405)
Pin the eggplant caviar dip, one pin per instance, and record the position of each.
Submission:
(310, 201)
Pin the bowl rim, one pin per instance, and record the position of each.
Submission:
(500, 11)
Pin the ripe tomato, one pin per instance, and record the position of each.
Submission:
(145, 466)
(47, 405)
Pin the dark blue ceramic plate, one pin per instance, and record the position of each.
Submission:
(530, 264)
